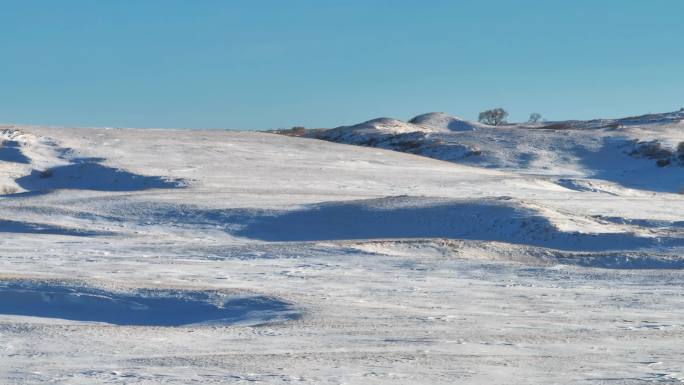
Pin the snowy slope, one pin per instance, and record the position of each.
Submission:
(445, 122)
(636, 153)
(215, 257)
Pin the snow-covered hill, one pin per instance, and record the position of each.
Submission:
(635, 153)
(445, 122)
(534, 255)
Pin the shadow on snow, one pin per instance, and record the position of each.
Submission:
(10, 152)
(613, 163)
(88, 174)
(145, 308)
(399, 217)
(7, 226)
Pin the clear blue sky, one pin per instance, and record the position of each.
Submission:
(258, 64)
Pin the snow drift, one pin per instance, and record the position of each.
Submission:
(141, 308)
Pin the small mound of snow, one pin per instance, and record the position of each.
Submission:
(385, 125)
(444, 122)
(372, 132)
(598, 186)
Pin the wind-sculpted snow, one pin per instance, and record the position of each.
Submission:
(627, 261)
(501, 220)
(8, 226)
(48, 166)
(531, 256)
(495, 219)
(89, 175)
(142, 308)
(643, 222)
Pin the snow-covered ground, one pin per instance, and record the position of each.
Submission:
(531, 256)
(613, 155)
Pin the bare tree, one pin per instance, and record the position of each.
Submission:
(494, 117)
(535, 117)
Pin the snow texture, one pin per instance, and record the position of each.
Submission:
(433, 251)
